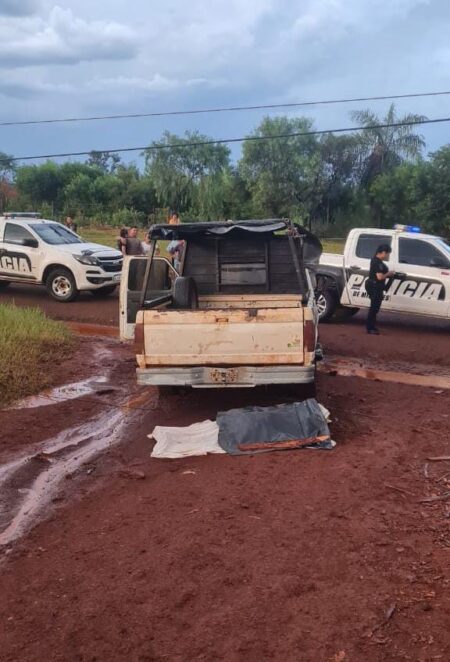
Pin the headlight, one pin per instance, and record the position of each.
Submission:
(87, 259)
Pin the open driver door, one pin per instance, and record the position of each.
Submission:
(131, 285)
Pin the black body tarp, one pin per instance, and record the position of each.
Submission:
(261, 429)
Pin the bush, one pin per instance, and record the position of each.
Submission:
(127, 217)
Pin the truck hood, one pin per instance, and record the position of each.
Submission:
(332, 259)
(89, 249)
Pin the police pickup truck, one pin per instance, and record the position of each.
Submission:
(42, 252)
(421, 284)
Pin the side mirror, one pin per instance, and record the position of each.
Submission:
(31, 243)
(439, 262)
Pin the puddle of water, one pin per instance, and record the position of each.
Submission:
(72, 391)
(347, 369)
(61, 394)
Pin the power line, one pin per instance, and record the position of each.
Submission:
(272, 106)
(222, 141)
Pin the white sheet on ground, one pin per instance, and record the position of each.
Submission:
(197, 439)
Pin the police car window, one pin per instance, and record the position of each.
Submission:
(368, 244)
(417, 252)
(54, 234)
(15, 234)
(443, 244)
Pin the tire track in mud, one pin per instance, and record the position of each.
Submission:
(29, 484)
(408, 374)
(30, 481)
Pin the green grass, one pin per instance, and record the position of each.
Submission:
(30, 346)
(101, 235)
(333, 245)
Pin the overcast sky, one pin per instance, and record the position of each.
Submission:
(84, 57)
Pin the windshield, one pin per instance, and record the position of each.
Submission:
(443, 244)
(55, 233)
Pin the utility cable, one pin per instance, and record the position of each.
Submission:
(222, 141)
(200, 111)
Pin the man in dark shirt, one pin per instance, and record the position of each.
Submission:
(133, 245)
(376, 284)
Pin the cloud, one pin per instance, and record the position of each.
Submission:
(25, 86)
(18, 7)
(157, 83)
(177, 54)
(62, 38)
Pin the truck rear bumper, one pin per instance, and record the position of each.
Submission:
(240, 376)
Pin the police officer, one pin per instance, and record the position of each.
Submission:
(376, 284)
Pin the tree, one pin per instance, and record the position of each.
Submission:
(177, 172)
(397, 194)
(106, 161)
(434, 205)
(338, 160)
(140, 195)
(384, 148)
(7, 172)
(79, 193)
(37, 184)
(278, 171)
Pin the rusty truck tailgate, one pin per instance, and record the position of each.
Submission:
(265, 336)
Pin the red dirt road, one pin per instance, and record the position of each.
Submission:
(307, 556)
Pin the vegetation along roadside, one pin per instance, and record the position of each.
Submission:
(30, 345)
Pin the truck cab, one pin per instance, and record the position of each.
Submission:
(421, 284)
(236, 309)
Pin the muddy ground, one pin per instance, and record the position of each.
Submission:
(309, 556)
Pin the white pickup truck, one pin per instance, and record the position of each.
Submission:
(239, 311)
(421, 284)
(43, 252)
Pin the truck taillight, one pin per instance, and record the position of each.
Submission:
(309, 336)
(139, 339)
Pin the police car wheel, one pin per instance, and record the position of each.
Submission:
(61, 285)
(103, 291)
(326, 304)
(4, 283)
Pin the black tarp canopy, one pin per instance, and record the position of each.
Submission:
(313, 247)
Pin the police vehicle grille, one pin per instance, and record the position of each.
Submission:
(110, 264)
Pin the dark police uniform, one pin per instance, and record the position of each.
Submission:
(375, 290)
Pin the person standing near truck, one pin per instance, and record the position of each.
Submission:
(133, 245)
(376, 285)
(175, 247)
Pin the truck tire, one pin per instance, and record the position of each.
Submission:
(103, 291)
(185, 294)
(326, 301)
(61, 285)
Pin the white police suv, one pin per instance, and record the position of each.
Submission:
(43, 252)
(421, 266)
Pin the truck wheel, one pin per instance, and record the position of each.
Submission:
(4, 283)
(103, 291)
(185, 293)
(61, 285)
(326, 304)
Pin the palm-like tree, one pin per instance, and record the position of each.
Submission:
(384, 147)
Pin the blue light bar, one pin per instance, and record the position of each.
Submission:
(407, 228)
